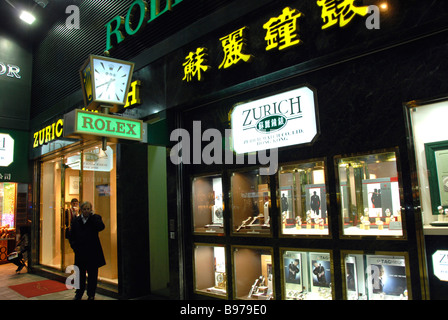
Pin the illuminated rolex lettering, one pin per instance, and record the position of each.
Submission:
(118, 28)
(108, 126)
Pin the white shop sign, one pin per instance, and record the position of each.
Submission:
(6, 150)
(281, 120)
(440, 264)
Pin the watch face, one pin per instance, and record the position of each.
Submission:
(111, 79)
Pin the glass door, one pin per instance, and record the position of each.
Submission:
(98, 186)
(51, 214)
(59, 185)
(66, 182)
(70, 200)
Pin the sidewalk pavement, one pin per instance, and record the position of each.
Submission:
(9, 277)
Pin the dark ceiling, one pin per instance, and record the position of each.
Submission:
(12, 25)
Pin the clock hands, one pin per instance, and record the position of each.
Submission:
(107, 82)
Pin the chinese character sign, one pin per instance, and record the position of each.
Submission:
(195, 64)
(233, 45)
(282, 30)
(340, 11)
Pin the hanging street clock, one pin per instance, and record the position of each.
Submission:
(105, 82)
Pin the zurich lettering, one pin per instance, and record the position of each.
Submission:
(287, 107)
(119, 26)
(49, 133)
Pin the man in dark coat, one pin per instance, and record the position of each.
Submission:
(86, 244)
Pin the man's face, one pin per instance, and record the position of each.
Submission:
(86, 210)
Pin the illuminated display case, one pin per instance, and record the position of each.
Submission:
(307, 275)
(302, 199)
(208, 205)
(370, 196)
(210, 270)
(250, 202)
(382, 276)
(8, 196)
(253, 273)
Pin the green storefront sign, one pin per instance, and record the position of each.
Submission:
(86, 124)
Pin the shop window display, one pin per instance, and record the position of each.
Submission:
(306, 275)
(210, 270)
(250, 201)
(8, 192)
(303, 199)
(208, 205)
(375, 277)
(253, 273)
(8, 205)
(370, 195)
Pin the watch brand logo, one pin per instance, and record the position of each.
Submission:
(10, 70)
(147, 13)
(108, 126)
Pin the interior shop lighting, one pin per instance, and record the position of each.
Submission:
(384, 6)
(27, 17)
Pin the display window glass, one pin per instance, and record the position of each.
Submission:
(83, 175)
(253, 273)
(430, 141)
(370, 199)
(8, 205)
(302, 199)
(376, 276)
(307, 275)
(251, 201)
(208, 205)
(210, 270)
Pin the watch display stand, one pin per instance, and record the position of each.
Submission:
(250, 201)
(306, 275)
(210, 270)
(375, 277)
(253, 273)
(370, 195)
(303, 199)
(208, 205)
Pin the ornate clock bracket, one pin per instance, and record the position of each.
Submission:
(104, 109)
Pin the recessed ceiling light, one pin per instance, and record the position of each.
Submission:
(27, 17)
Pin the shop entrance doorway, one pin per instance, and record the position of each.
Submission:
(87, 174)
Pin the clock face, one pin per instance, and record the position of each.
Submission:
(111, 79)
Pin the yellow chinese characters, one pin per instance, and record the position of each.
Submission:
(233, 46)
(342, 11)
(282, 30)
(195, 64)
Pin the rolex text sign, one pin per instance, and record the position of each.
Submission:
(281, 120)
(108, 126)
(79, 123)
